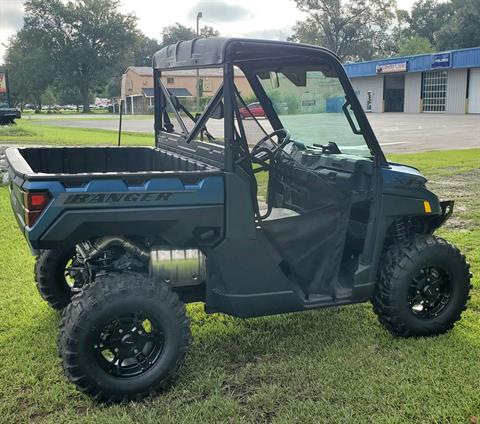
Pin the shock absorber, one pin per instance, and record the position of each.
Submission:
(399, 230)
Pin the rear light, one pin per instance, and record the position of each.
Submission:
(34, 203)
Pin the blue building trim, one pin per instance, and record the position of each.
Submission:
(464, 58)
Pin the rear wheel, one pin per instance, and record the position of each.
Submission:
(423, 287)
(54, 276)
(124, 337)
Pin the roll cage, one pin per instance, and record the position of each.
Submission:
(251, 57)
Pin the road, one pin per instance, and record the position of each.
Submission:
(397, 132)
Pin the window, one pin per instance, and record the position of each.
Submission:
(183, 108)
(310, 106)
(434, 91)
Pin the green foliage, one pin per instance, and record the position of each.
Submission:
(463, 28)
(208, 31)
(366, 29)
(414, 45)
(447, 25)
(84, 40)
(353, 30)
(30, 69)
(113, 87)
(428, 17)
(143, 50)
(177, 32)
(48, 97)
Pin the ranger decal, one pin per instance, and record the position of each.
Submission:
(89, 198)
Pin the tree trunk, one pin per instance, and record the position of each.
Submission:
(85, 99)
(38, 103)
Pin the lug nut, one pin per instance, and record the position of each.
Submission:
(120, 331)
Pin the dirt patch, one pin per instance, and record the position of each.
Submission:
(456, 223)
(462, 188)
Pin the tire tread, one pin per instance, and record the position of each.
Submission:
(91, 295)
(395, 262)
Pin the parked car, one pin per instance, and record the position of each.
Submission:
(253, 109)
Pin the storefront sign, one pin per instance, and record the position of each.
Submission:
(441, 60)
(390, 68)
(3, 83)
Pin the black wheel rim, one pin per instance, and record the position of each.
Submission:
(128, 345)
(70, 272)
(430, 292)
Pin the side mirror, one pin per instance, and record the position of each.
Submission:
(218, 112)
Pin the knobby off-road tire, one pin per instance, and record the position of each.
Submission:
(409, 309)
(109, 315)
(49, 273)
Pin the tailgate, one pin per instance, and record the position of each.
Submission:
(17, 200)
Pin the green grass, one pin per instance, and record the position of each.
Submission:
(30, 132)
(331, 365)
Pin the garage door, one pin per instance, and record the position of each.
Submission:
(474, 91)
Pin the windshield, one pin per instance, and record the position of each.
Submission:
(309, 105)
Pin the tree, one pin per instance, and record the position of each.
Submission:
(48, 97)
(428, 17)
(174, 33)
(208, 31)
(113, 88)
(68, 95)
(414, 45)
(177, 32)
(30, 70)
(144, 50)
(462, 29)
(88, 40)
(353, 30)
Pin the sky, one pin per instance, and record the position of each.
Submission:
(271, 19)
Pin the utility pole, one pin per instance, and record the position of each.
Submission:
(199, 15)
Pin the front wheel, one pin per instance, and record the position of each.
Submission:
(423, 287)
(124, 337)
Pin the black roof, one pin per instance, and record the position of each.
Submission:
(214, 51)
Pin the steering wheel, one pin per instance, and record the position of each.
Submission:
(261, 151)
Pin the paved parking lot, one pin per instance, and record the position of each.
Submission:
(397, 132)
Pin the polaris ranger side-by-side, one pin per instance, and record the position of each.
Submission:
(308, 214)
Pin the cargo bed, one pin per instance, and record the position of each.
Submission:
(87, 192)
(63, 163)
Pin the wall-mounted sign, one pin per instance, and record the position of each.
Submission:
(441, 60)
(3, 83)
(390, 68)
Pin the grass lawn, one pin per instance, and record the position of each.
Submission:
(29, 132)
(331, 365)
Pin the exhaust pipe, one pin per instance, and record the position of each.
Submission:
(104, 243)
